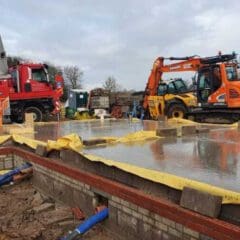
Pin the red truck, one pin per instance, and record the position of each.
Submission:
(29, 90)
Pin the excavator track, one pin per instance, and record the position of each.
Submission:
(210, 115)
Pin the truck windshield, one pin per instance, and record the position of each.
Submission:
(39, 75)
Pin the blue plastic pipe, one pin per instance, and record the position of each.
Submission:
(87, 224)
(8, 177)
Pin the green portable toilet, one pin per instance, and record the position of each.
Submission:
(78, 99)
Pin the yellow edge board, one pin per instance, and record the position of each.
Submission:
(170, 180)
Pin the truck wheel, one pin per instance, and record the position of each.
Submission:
(176, 111)
(37, 113)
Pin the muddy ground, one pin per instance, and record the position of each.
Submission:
(27, 214)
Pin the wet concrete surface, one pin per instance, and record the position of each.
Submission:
(212, 157)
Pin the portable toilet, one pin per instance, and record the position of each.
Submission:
(78, 99)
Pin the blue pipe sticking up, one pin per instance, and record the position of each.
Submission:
(8, 177)
(87, 224)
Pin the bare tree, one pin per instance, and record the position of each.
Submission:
(74, 76)
(111, 85)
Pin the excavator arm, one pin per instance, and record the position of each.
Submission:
(186, 64)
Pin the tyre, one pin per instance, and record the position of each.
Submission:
(176, 110)
(37, 113)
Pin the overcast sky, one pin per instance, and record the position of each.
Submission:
(117, 38)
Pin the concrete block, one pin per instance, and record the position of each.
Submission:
(116, 199)
(111, 221)
(201, 202)
(187, 237)
(188, 130)
(63, 192)
(53, 154)
(83, 201)
(125, 203)
(43, 182)
(127, 210)
(148, 220)
(179, 227)
(166, 132)
(133, 206)
(231, 213)
(113, 204)
(137, 215)
(143, 211)
(174, 232)
(191, 232)
(145, 231)
(166, 236)
(157, 217)
(41, 150)
(29, 119)
(168, 222)
(156, 234)
(161, 226)
(127, 222)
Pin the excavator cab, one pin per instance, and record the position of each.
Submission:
(206, 85)
(218, 86)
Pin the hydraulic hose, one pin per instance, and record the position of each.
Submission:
(87, 224)
(8, 177)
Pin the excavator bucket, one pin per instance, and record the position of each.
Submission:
(3, 60)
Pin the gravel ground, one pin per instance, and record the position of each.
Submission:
(26, 214)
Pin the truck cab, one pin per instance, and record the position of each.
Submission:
(30, 78)
(30, 91)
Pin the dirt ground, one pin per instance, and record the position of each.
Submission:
(26, 214)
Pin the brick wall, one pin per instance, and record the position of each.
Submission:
(6, 161)
(126, 219)
(133, 214)
(137, 222)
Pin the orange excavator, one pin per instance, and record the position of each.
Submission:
(217, 89)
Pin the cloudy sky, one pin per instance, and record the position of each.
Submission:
(117, 38)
